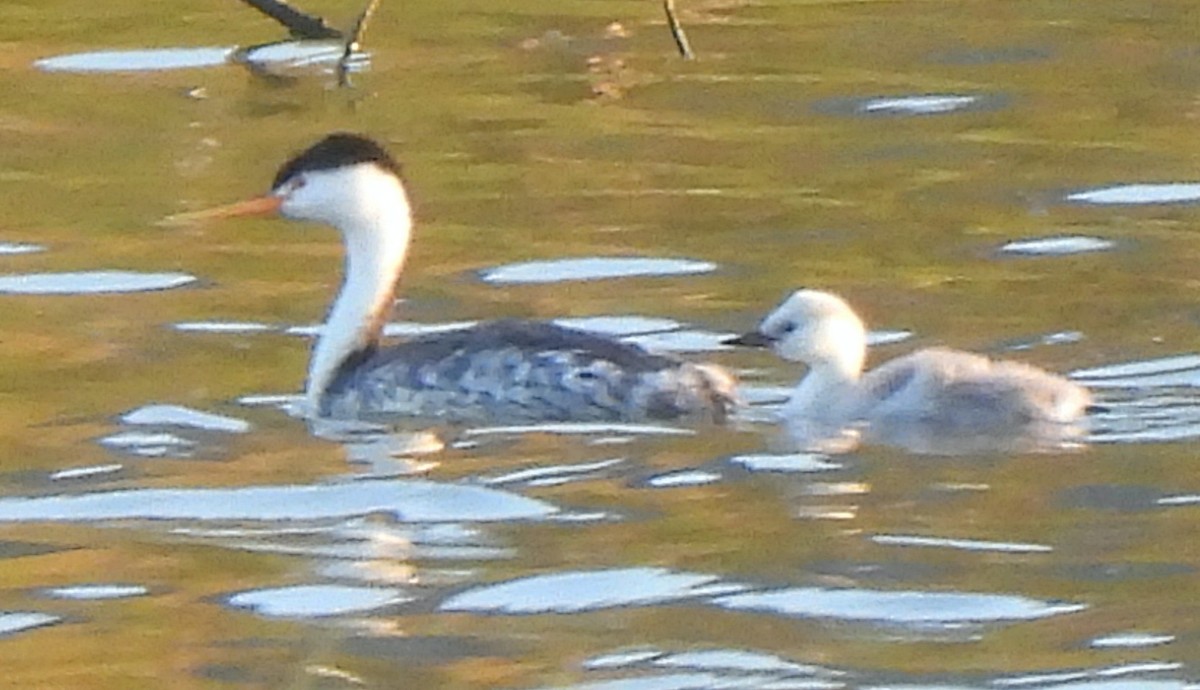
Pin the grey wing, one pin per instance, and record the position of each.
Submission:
(888, 387)
(933, 382)
(965, 391)
(524, 370)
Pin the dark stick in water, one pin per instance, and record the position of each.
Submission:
(681, 41)
(299, 24)
(352, 41)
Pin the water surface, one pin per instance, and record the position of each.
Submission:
(1013, 178)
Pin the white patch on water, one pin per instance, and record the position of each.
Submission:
(395, 329)
(1062, 338)
(177, 415)
(592, 268)
(555, 471)
(84, 472)
(683, 478)
(136, 60)
(896, 607)
(790, 462)
(578, 591)
(314, 601)
(682, 341)
(286, 56)
(149, 445)
(20, 621)
(90, 282)
(1057, 246)
(222, 327)
(1166, 193)
(1131, 640)
(962, 544)
(1178, 370)
(1103, 678)
(1183, 500)
(932, 104)
(20, 248)
(97, 592)
(407, 500)
(621, 659)
(707, 668)
(619, 326)
(877, 338)
(735, 660)
(284, 401)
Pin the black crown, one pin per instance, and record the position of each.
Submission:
(338, 150)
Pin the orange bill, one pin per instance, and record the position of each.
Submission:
(258, 206)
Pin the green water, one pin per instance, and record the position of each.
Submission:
(532, 130)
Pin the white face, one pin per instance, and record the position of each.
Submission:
(812, 326)
(343, 197)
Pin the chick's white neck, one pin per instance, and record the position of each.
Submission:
(835, 364)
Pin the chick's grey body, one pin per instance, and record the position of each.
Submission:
(964, 391)
(512, 370)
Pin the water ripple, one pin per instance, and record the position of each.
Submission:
(90, 282)
(686, 340)
(177, 415)
(932, 104)
(20, 621)
(914, 105)
(937, 609)
(736, 660)
(1166, 193)
(619, 326)
(554, 474)
(1107, 678)
(408, 500)
(149, 445)
(1152, 400)
(86, 472)
(574, 592)
(592, 268)
(136, 60)
(1131, 640)
(963, 544)
(1180, 370)
(1061, 245)
(97, 592)
(20, 248)
(787, 462)
(222, 327)
(683, 478)
(313, 601)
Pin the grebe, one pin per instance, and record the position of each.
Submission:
(943, 390)
(498, 370)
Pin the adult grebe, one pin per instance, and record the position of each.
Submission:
(944, 391)
(498, 370)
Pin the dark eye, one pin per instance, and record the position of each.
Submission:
(292, 184)
(788, 328)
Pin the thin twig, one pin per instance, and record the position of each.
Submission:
(681, 41)
(352, 42)
(299, 24)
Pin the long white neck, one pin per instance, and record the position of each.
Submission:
(376, 237)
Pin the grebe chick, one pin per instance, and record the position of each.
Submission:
(499, 370)
(944, 390)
